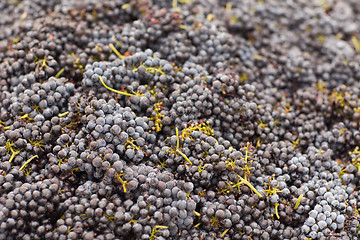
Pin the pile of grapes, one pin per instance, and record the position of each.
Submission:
(182, 119)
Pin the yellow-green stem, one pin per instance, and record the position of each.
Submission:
(247, 183)
(113, 90)
(116, 51)
(125, 6)
(59, 73)
(184, 156)
(13, 154)
(276, 210)
(63, 114)
(298, 202)
(224, 232)
(177, 138)
(116, 41)
(27, 162)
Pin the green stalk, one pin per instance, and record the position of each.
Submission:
(14, 153)
(177, 138)
(116, 51)
(276, 210)
(63, 114)
(224, 232)
(113, 90)
(27, 162)
(184, 156)
(247, 183)
(298, 202)
(59, 73)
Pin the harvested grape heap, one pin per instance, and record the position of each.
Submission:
(181, 119)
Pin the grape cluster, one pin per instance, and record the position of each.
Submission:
(28, 210)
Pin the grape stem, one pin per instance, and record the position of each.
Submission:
(114, 90)
(247, 183)
(27, 162)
